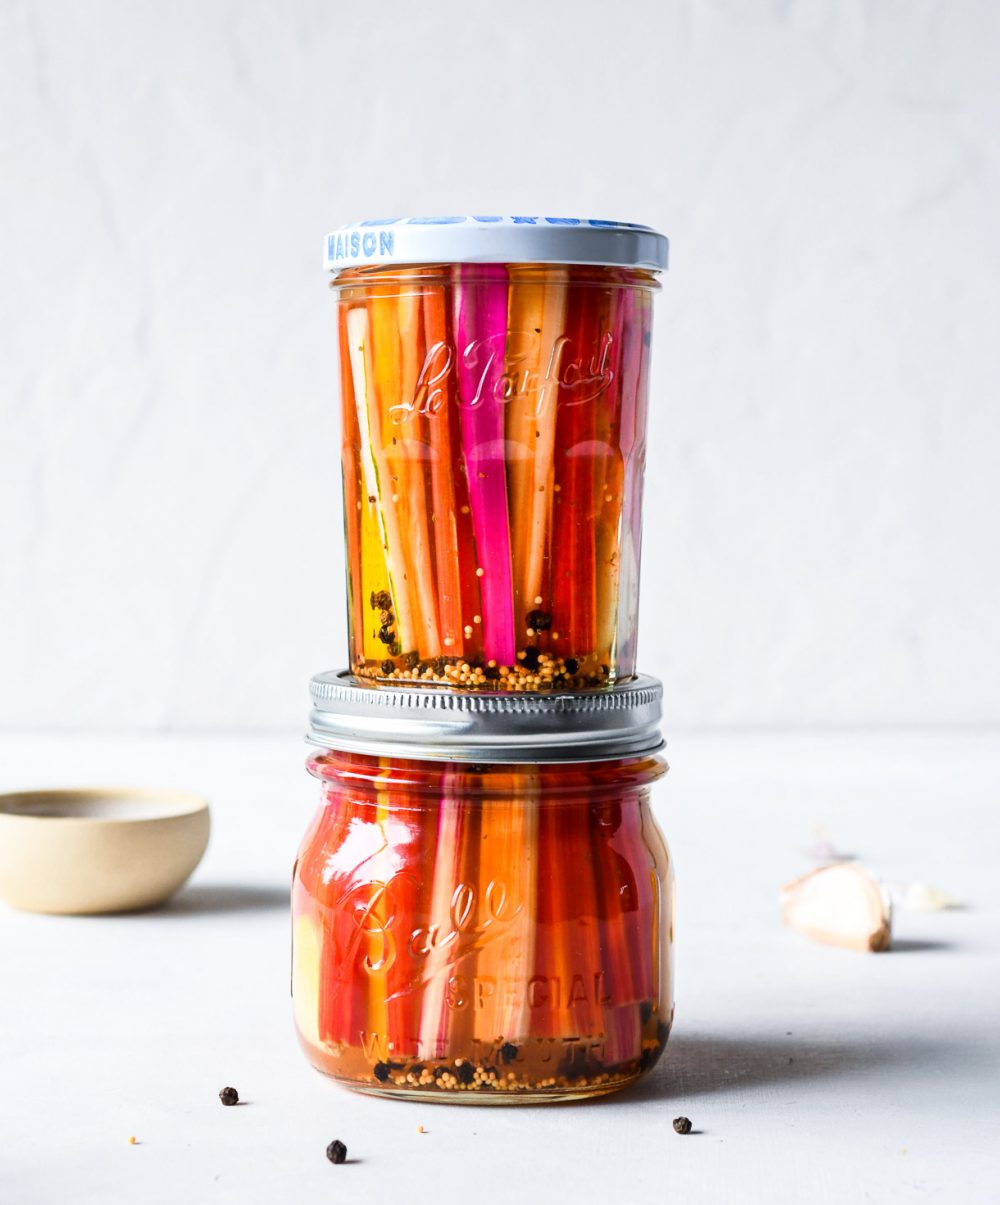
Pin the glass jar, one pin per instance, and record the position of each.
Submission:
(475, 928)
(494, 379)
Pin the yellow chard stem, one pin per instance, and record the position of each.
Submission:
(378, 483)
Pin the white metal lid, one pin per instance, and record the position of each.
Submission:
(437, 724)
(495, 240)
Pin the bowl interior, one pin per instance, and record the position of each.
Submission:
(120, 804)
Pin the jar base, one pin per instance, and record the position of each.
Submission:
(532, 672)
(540, 1096)
(488, 1086)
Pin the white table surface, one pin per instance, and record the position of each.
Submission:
(811, 1074)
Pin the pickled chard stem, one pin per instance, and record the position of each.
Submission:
(632, 438)
(537, 314)
(508, 854)
(443, 1028)
(480, 316)
(419, 545)
(378, 486)
(438, 402)
(609, 470)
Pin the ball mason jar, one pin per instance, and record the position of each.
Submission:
(480, 917)
(494, 380)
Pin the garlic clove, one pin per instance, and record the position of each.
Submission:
(841, 905)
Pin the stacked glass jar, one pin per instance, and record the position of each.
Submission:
(483, 904)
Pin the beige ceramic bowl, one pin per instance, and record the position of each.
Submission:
(103, 850)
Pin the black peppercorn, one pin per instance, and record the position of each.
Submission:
(541, 621)
(682, 1125)
(572, 665)
(387, 666)
(466, 1073)
(531, 655)
(229, 1096)
(381, 1072)
(410, 660)
(491, 673)
(508, 1052)
(336, 1152)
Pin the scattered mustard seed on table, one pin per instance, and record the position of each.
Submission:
(336, 1152)
(229, 1096)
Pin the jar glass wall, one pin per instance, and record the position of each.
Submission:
(483, 933)
(494, 436)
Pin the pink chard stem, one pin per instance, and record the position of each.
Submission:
(480, 315)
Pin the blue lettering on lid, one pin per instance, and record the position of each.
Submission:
(563, 221)
(433, 221)
(368, 243)
(476, 219)
(355, 244)
(525, 221)
(386, 239)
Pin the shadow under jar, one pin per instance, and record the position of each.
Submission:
(471, 926)
(494, 381)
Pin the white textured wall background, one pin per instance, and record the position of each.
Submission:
(822, 507)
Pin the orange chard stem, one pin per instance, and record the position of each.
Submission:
(436, 398)
(409, 441)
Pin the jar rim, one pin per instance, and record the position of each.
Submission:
(416, 781)
(392, 280)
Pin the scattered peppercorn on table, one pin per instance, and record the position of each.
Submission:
(809, 1074)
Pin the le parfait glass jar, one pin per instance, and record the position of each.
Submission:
(483, 904)
(494, 381)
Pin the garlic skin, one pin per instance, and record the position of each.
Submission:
(923, 897)
(840, 905)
